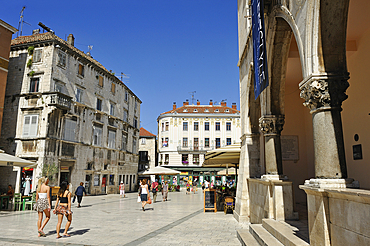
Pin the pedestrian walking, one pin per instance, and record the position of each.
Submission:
(194, 185)
(144, 193)
(122, 190)
(79, 193)
(42, 205)
(187, 187)
(165, 191)
(155, 190)
(63, 207)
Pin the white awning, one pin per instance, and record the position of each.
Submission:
(223, 157)
(159, 171)
(11, 160)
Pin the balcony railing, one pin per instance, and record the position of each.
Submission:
(60, 100)
(191, 148)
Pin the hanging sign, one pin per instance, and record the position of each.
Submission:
(259, 48)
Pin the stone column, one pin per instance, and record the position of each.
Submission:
(271, 126)
(324, 95)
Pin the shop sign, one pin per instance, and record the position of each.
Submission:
(259, 48)
(184, 173)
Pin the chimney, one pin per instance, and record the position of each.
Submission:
(234, 106)
(210, 102)
(223, 104)
(174, 106)
(36, 31)
(71, 39)
(186, 103)
(198, 103)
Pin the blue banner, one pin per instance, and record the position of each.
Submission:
(259, 48)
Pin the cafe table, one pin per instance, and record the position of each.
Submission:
(24, 199)
(2, 197)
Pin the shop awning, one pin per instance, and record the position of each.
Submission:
(223, 157)
(11, 160)
(159, 171)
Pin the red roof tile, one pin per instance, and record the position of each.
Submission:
(145, 133)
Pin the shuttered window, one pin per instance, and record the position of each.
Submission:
(70, 130)
(30, 125)
(112, 139)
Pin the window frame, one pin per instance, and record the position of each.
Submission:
(218, 143)
(227, 141)
(206, 142)
(34, 86)
(112, 139)
(206, 126)
(218, 126)
(98, 133)
(185, 125)
(196, 126)
(62, 59)
(30, 128)
(70, 127)
(184, 142)
(79, 93)
(228, 126)
(99, 106)
(37, 56)
(81, 70)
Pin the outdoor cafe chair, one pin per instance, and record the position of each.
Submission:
(17, 201)
(31, 202)
(229, 204)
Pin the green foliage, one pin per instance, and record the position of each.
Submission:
(30, 50)
(49, 171)
(32, 73)
(29, 63)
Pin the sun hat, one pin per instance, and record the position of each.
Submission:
(121, 182)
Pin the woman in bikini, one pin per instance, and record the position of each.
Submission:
(63, 208)
(42, 204)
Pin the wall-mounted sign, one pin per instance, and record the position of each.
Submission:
(289, 148)
(357, 152)
(259, 48)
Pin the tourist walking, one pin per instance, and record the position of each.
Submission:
(79, 193)
(187, 187)
(194, 185)
(155, 190)
(42, 205)
(122, 190)
(165, 191)
(63, 207)
(144, 193)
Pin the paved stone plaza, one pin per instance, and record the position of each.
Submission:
(107, 219)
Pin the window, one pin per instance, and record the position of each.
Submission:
(134, 145)
(196, 126)
(166, 140)
(143, 156)
(99, 104)
(112, 106)
(111, 179)
(135, 122)
(184, 142)
(166, 158)
(135, 105)
(227, 110)
(217, 110)
(185, 126)
(162, 127)
(37, 55)
(113, 88)
(59, 87)
(217, 126)
(124, 141)
(206, 142)
(206, 126)
(196, 143)
(61, 58)
(79, 93)
(143, 140)
(34, 84)
(218, 143)
(167, 125)
(81, 70)
(228, 126)
(97, 135)
(125, 115)
(101, 80)
(126, 96)
(195, 110)
(111, 139)
(30, 125)
(196, 159)
(70, 130)
(185, 159)
(228, 141)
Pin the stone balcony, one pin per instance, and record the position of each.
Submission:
(59, 100)
(194, 149)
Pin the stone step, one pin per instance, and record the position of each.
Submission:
(246, 239)
(263, 237)
(283, 233)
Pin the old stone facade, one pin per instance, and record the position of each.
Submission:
(312, 48)
(147, 150)
(186, 133)
(64, 108)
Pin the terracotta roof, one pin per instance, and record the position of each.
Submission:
(203, 109)
(145, 133)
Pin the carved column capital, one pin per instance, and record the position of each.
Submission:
(271, 124)
(324, 93)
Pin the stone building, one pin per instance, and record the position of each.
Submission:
(147, 150)
(303, 141)
(186, 133)
(65, 109)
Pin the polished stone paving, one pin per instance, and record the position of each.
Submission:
(109, 220)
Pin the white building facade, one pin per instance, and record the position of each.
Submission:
(186, 133)
(64, 109)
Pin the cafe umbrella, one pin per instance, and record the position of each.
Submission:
(159, 171)
(11, 160)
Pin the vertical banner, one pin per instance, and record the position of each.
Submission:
(259, 48)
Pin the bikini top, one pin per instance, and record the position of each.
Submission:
(64, 199)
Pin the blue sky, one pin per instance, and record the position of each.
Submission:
(168, 48)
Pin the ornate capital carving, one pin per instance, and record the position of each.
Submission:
(272, 124)
(324, 93)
